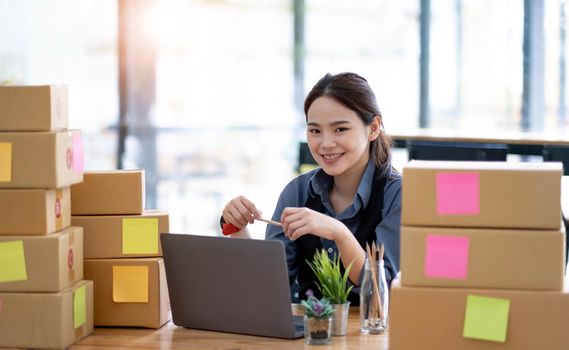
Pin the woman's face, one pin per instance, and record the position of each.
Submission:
(338, 139)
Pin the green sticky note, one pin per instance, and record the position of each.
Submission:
(140, 236)
(486, 318)
(5, 162)
(130, 284)
(79, 307)
(12, 262)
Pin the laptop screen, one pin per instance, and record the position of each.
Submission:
(229, 285)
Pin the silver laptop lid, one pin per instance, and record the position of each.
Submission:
(229, 285)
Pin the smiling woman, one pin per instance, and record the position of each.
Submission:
(337, 138)
(354, 197)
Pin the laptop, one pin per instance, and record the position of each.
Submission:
(229, 285)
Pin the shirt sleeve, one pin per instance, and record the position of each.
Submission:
(387, 231)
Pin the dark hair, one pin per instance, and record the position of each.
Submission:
(354, 92)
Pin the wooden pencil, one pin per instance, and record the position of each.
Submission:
(271, 222)
(375, 282)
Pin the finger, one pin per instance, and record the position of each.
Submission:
(299, 232)
(293, 222)
(289, 211)
(238, 218)
(251, 208)
(286, 221)
(293, 227)
(292, 217)
(246, 214)
(230, 219)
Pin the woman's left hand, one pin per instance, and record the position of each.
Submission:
(299, 221)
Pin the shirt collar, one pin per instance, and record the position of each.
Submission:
(320, 183)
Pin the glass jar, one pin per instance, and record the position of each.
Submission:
(374, 299)
(340, 319)
(317, 330)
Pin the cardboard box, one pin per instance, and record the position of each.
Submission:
(34, 211)
(482, 258)
(123, 236)
(33, 108)
(482, 194)
(46, 320)
(116, 192)
(129, 292)
(46, 263)
(450, 318)
(40, 159)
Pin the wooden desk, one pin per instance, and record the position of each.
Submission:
(550, 146)
(511, 138)
(172, 337)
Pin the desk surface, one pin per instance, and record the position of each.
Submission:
(521, 138)
(172, 337)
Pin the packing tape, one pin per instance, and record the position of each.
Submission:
(70, 264)
(58, 209)
(69, 151)
(71, 257)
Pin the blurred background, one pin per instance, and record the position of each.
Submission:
(206, 95)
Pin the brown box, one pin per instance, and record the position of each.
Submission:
(482, 258)
(115, 192)
(123, 297)
(34, 211)
(435, 318)
(115, 236)
(482, 194)
(46, 320)
(33, 108)
(52, 263)
(40, 159)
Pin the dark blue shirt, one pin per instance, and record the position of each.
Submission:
(316, 181)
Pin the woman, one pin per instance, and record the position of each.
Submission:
(354, 196)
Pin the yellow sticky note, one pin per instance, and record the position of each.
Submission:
(79, 307)
(486, 318)
(5, 162)
(140, 236)
(130, 284)
(12, 262)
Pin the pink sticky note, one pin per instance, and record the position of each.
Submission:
(77, 153)
(458, 193)
(446, 256)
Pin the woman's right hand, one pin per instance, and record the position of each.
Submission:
(240, 211)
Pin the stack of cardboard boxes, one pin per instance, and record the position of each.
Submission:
(122, 249)
(482, 258)
(44, 303)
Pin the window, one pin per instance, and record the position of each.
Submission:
(476, 71)
(72, 43)
(224, 107)
(376, 39)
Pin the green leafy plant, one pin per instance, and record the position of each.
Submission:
(317, 308)
(332, 283)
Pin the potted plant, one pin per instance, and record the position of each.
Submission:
(317, 320)
(333, 284)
